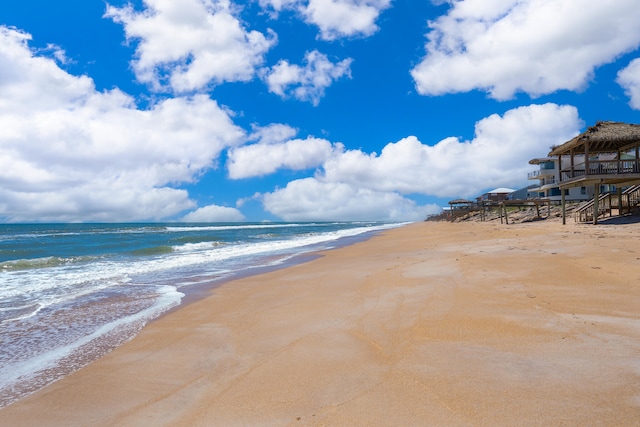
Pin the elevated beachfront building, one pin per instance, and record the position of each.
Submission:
(548, 177)
(495, 196)
(604, 157)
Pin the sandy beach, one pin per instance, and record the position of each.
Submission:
(465, 324)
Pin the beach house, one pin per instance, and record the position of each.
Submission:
(495, 196)
(606, 158)
(548, 177)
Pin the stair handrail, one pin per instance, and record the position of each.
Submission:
(585, 211)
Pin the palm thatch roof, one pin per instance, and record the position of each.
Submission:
(604, 137)
(539, 160)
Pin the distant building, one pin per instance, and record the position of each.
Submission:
(525, 193)
(498, 195)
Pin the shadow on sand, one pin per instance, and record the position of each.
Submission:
(618, 220)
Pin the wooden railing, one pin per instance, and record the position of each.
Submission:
(631, 197)
(600, 167)
(607, 203)
(585, 212)
(539, 173)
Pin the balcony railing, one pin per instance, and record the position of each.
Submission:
(600, 167)
(540, 173)
(549, 180)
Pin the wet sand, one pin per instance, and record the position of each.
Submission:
(466, 324)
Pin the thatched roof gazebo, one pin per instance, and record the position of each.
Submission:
(607, 153)
(604, 137)
(459, 207)
(461, 202)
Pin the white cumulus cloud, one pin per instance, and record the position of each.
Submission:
(309, 82)
(629, 79)
(498, 155)
(273, 133)
(214, 213)
(191, 44)
(310, 199)
(277, 149)
(532, 46)
(70, 153)
(276, 6)
(344, 18)
(360, 185)
(334, 18)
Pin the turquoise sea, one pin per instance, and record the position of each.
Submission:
(70, 293)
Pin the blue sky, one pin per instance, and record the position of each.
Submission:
(292, 110)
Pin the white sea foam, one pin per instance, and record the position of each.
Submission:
(64, 282)
(194, 247)
(12, 374)
(8, 314)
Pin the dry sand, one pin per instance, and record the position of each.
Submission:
(467, 324)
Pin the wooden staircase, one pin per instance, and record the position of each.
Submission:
(608, 203)
(632, 195)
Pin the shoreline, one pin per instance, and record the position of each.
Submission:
(195, 293)
(436, 323)
(96, 349)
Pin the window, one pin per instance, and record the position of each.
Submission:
(547, 165)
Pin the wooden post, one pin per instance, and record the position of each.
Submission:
(620, 210)
(586, 159)
(564, 207)
(506, 215)
(596, 192)
(572, 166)
(620, 169)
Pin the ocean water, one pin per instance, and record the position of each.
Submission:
(70, 293)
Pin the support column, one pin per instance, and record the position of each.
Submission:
(572, 166)
(586, 159)
(564, 207)
(620, 166)
(596, 200)
(620, 210)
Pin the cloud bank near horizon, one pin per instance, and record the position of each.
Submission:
(70, 153)
(351, 182)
